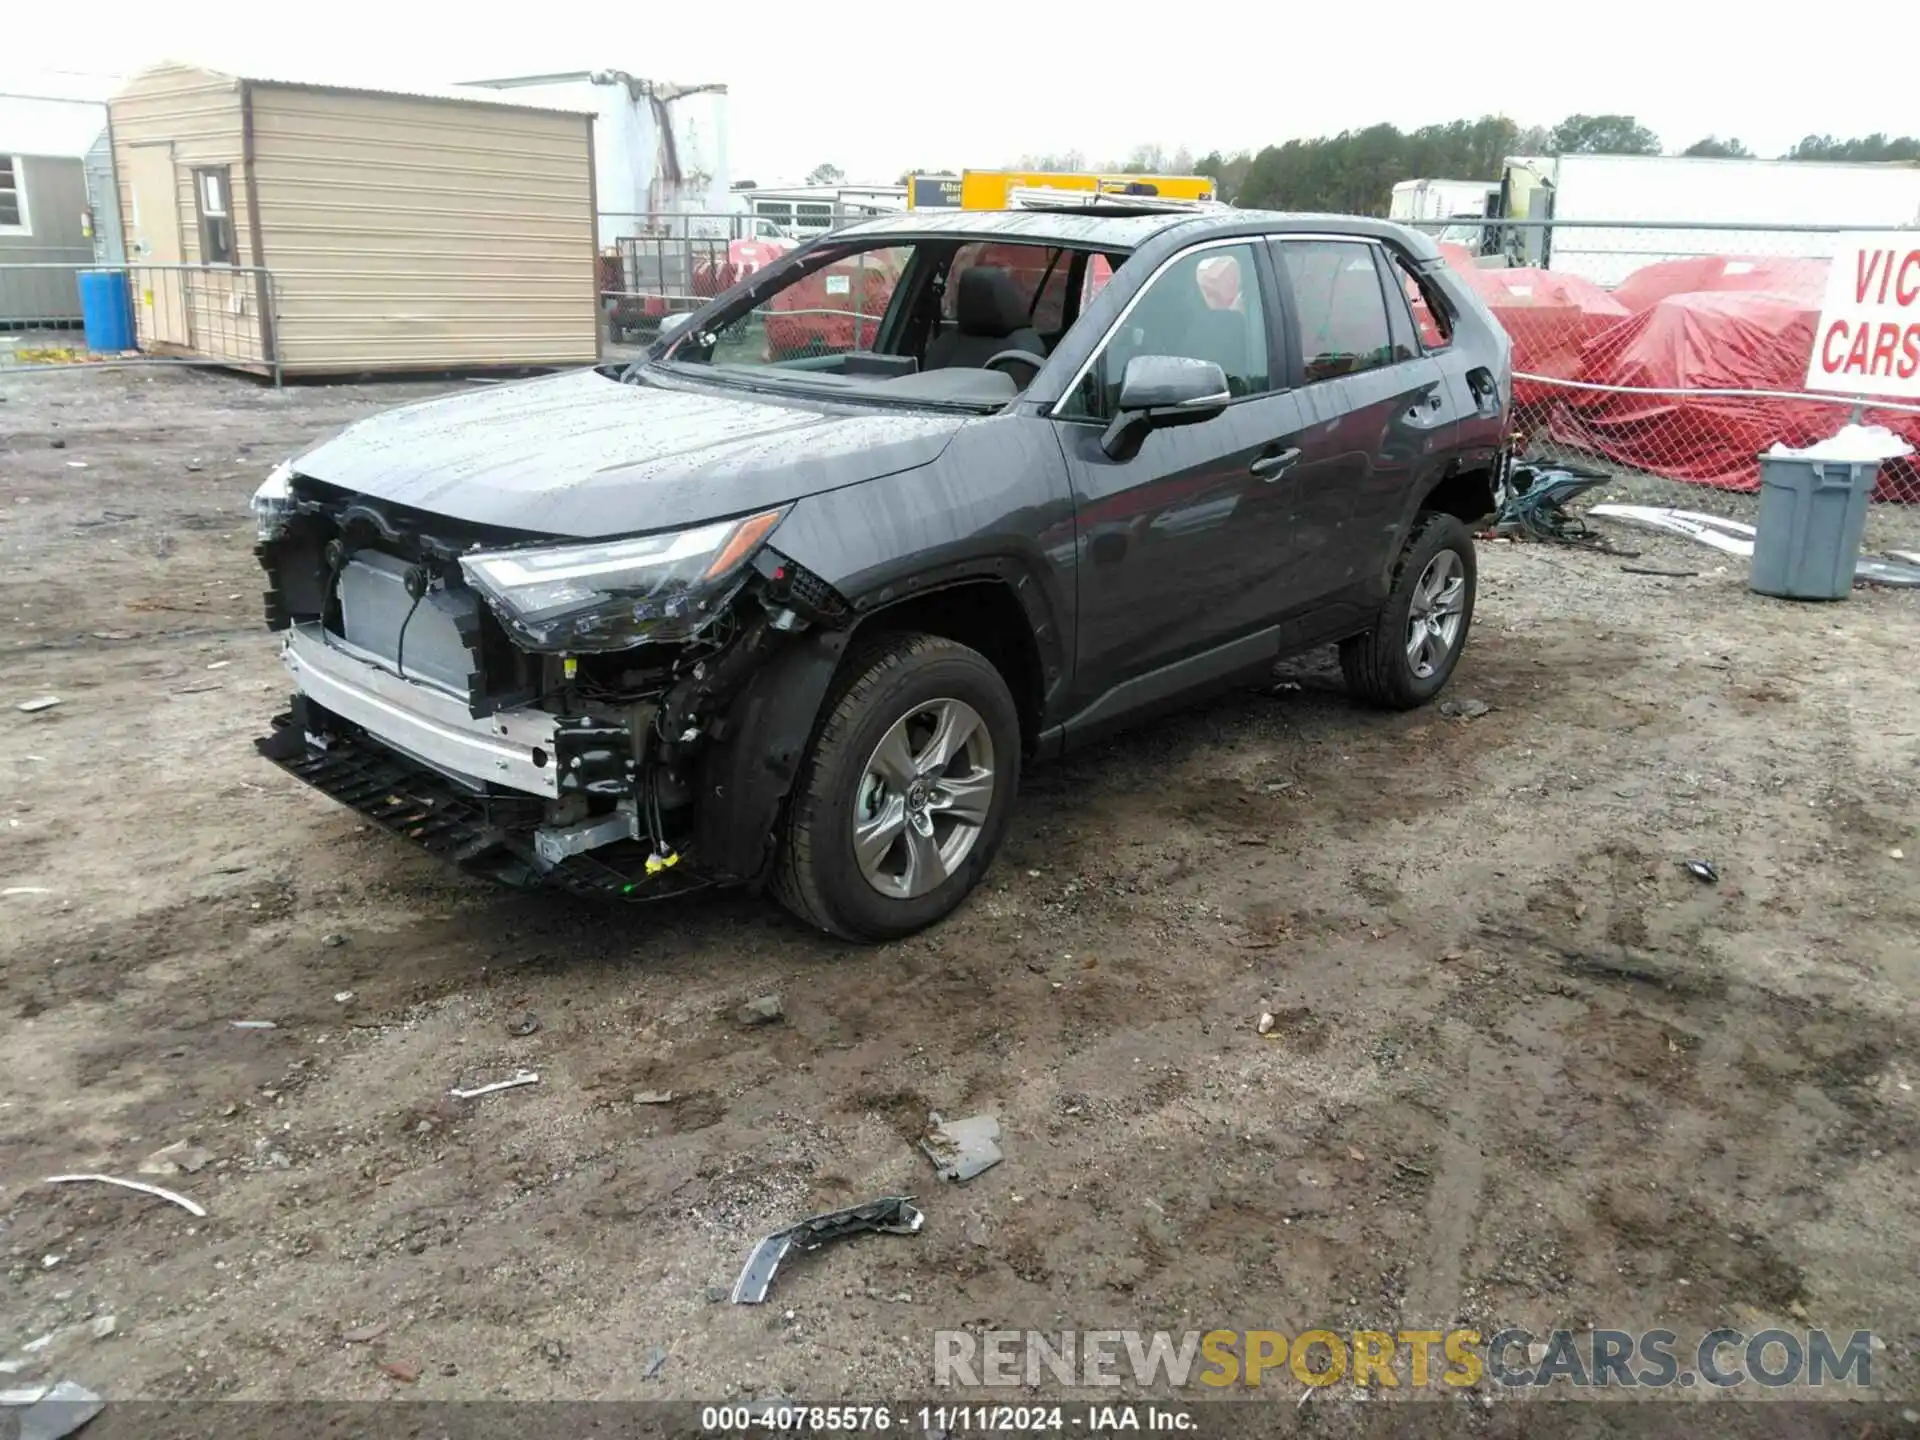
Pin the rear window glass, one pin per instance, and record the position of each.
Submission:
(1430, 315)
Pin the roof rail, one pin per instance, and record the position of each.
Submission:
(1102, 202)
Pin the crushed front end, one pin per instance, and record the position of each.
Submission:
(537, 710)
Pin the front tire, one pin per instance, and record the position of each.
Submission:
(1410, 653)
(905, 794)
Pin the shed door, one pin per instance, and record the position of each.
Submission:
(153, 241)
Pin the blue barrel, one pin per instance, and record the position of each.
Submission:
(107, 308)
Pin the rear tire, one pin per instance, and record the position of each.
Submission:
(1410, 653)
(905, 793)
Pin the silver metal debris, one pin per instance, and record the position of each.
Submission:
(525, 1077)
(158, 1192)
(962, 1149)
(1736, 538)
(1730, 536)
(52, 1411)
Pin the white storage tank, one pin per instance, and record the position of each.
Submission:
(658, 147)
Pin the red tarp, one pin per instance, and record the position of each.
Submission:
(1801, 278)
(1712, 341)
(1554, 319)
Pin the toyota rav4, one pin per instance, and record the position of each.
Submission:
(794, 615)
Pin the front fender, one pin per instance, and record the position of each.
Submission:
(996, 505)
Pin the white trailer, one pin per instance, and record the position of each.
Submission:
(805, 211)
(1432, 201)
(1720, 196)
(658, 148)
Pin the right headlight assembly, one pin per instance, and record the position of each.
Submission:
(612, 594)
(272, 503)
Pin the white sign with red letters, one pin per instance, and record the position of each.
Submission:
(1868, 339)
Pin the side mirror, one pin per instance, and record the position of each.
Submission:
(1157, 391)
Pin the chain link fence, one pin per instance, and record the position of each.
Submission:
(1668, 352)
(59, 316)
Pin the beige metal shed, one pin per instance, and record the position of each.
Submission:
(342, 231)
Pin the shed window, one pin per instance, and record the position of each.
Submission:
(216, 223)
(13, 197)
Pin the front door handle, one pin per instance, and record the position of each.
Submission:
(1272, 467)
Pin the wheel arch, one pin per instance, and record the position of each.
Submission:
(984, 613)
(1464, 491)
(746, 777)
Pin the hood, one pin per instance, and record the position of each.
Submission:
(584, 455)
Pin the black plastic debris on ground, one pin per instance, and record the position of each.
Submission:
(890, 1215)
(1533, 503)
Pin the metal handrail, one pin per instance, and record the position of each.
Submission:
(268, 340)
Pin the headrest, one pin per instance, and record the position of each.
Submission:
(990, 303)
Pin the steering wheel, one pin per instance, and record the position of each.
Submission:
(1012, 357)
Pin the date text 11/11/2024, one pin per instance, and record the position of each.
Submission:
(948, 1419)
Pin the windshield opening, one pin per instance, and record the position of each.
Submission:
(960, 321)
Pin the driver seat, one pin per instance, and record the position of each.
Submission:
(991, 317)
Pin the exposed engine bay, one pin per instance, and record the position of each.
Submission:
(540, 711)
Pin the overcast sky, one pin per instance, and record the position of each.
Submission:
(878, 88)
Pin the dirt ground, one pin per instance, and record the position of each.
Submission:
(1525, 1069)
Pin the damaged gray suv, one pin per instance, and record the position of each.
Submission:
(790, 602)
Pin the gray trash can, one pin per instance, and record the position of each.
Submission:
(1812, 513)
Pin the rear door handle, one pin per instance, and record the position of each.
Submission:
(1272, 467)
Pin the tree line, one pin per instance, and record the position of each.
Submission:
(1355, 171)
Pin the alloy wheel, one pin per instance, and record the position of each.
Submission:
(924, 796)
(1433, 618)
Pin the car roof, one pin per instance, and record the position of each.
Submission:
(1361, 227)
(1109, 227)
(1066, 227)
